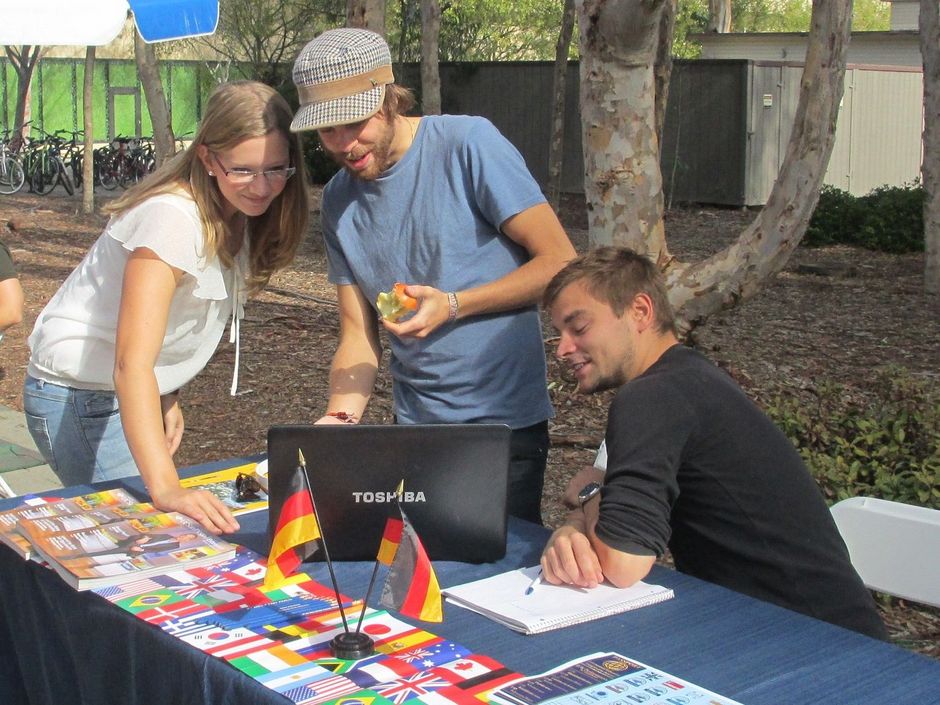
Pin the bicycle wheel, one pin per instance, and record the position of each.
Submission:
(63, 177)
(127, 175)
(11, 176)
(44, 175)
(75, 165)
(104, 163)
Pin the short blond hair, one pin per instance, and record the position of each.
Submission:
(615, 275)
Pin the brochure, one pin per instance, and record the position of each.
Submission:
(605, 677)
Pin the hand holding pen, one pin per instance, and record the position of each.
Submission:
(536, 581)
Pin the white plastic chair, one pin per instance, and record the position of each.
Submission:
(894, 547)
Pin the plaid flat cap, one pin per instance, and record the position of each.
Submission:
(341, 77)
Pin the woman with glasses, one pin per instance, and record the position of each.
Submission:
(144, 311)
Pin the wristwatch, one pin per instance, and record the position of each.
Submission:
(587, 492)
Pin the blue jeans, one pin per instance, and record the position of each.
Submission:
(528, 454)
(78, 432)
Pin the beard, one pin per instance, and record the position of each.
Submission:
(602, 384)
(380, 157)
(616, 375)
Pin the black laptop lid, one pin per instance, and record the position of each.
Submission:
(456, 479)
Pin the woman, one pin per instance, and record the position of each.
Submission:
(144, 311)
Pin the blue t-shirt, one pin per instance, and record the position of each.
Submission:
(433, 218)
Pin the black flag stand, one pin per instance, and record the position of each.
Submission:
(348, 645)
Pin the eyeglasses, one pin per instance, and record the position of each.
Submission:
(239, 175)
(246, 488)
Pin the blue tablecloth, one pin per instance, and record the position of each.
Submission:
(60, 646)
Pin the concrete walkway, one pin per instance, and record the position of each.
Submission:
(22, 468)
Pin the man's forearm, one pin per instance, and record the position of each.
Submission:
(352, 378)
(619, 567)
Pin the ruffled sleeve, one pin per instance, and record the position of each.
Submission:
(169, 225)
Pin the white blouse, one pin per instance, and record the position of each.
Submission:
(73, 341)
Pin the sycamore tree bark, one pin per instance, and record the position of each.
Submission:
(662, 69)
(430, 57)
(719, 16)
(623, 183)
(366, 14)
(149, 71)
(23, 59)
(88, 163)
(559, 91)
(930, 168)
(741, 270)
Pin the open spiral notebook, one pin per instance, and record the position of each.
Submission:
(507, 599)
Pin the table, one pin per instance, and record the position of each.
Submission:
(61, 646)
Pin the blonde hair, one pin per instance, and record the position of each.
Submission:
(399, 100)
(235, 112)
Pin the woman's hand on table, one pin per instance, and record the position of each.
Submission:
(200, 505)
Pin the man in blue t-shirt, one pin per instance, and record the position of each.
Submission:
(446, 206)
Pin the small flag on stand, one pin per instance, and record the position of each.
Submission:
(411, 586)
(296, 527)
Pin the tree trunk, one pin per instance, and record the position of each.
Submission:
(930, 169)
(719, 16)
(149, 72)
(663, 67)
(559, 91)
(740, 270)
(623, 183)
(23, 60)
(430, 72)
(366, 14)
(88, 163)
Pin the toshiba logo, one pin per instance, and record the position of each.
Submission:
(383, 497)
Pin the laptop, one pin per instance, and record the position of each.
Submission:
(455, 485)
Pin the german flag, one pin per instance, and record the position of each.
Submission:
(411, 586)
(391, 538)
(296, 526)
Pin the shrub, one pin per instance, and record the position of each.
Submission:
(836, 220)
(881, 441)
(888, 219)
(320, 167)
(894, 219)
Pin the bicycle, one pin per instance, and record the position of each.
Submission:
(116, 162)
(49, 169)
(12, 176)
(73, 154)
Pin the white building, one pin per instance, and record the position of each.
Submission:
(878, 135)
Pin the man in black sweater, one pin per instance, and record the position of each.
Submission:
(693, 464)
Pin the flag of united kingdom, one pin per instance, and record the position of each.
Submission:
(202, 585)
(398, 691)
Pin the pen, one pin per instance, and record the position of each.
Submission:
(535, 581)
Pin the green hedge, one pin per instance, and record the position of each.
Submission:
(881, 440)
(888, 219)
